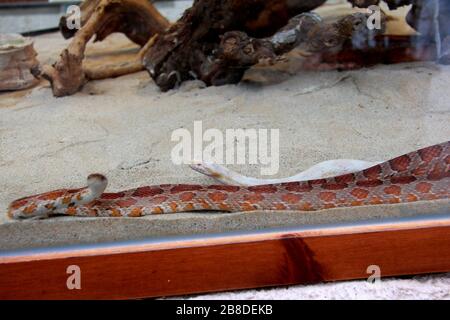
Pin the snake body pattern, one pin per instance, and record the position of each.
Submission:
(416, 176)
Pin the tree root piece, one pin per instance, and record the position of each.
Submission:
(137, 19)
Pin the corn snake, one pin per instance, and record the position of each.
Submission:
(420, 175)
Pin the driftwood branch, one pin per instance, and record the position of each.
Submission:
(238, 51)
(217, 40)
(305, 31)
(137, 19)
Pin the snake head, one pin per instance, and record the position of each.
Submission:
(96, 184)
(62, 202)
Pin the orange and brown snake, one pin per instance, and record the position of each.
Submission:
(420, 175)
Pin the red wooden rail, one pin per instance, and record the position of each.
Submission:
(231, 262)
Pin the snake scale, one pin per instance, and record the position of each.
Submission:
(420, 175)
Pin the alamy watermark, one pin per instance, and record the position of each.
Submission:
(374, 19)
(73, 17)
(375, 273)
(234, 146)
(73, 281)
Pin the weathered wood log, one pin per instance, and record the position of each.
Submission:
(18, 62)
(186, 49)
(305, 31)
(219, 56)
(200, 44)
(137, 19)
(216, 41)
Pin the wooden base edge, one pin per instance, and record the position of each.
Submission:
(219, 263)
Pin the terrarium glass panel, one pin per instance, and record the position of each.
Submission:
(130, 120)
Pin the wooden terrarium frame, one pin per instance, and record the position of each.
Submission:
(211, 263)
(228, 261)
